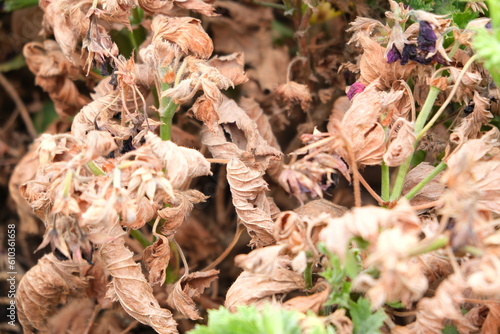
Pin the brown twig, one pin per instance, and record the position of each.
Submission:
(354, 166)
(229, 248)
(372, 192)
(20, 105)
(426, 205)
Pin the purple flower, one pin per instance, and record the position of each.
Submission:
(426, 37)
(393, 55)
(355, 88)
(438, 58)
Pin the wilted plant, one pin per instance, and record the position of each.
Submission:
(370, 269)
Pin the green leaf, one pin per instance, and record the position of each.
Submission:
(351, 265)
(363, 319)
(13, 64)
(418, 157)
(488, 48)
(11, 5)
(249, 320)
(450, 329)
(45, 117)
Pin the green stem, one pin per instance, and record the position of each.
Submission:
(427, 247)
(166, 120)
(140, 237)
(427, 108)
(415, 190)
(167, 110)
(419, 124)
(385, 182)
(308, 276)
(95, 169)
(67, 183)
(269, 4)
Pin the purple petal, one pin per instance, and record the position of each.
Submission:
(438, 58)
(355, 88)
(393, 55)
(426, 37)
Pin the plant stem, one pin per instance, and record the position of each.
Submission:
(269, 4)
(419, 124)
(414, 191)
(140, 237)
(95, 169)
(384, 192)
(308, 276)
(167, 110)
(427, 108)
(438, 113)
(67, 183)
(427, 247)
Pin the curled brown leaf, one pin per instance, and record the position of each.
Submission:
(188, 287)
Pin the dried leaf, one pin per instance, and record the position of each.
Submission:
(431, 191)
(180, 207)
(362, 128)
(55, 74)
(188, 287)
(261, 260)
(130, 288)
(492, 322)
(295, 93)
(340, 107)
(186, 32)
(373, 65)
(73, 317)
(245, 141)
(470, 125)
(180, 163)
(256, 113)
(24, 171)
(257, 288)
(245, 28)
(312, 302)
(402, 146)
(68, 23)
(156, 258)
(248, 190)
(44, 287)
(444, 306)
(231, 66)
(204, 7)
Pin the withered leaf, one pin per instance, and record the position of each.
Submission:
(373, 65)
(189, 286)
(402, 146)
(204, 7)
(130, 288)
(295, 93)
(181, 163)
(248, 189)
(250, 288)
(54, 73)
(186, 32)
(231, 67)
(312, 302)
(156, 258)
(180, 207)
(432, 190)
(44, 287)
(245, 141)
(362, 128)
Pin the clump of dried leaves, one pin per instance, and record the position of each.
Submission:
(423, 256)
